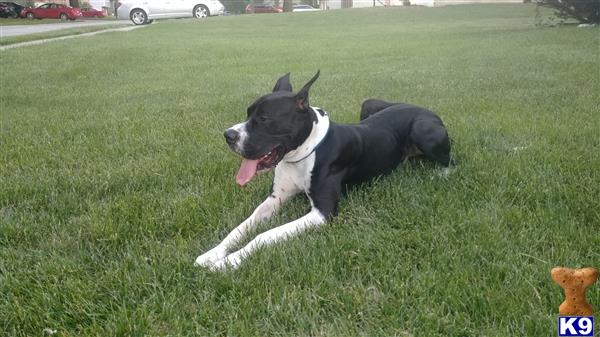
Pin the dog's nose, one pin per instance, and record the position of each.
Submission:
(231, 136)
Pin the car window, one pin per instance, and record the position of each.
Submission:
(45, 6)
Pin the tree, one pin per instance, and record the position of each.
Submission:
(584, 11)
(287, 5)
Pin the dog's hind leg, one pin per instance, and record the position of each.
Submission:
(373, 106)
(430, 136)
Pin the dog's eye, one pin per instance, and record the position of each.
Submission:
(263, 119)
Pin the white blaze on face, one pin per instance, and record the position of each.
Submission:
(248, 167)
(243, 135)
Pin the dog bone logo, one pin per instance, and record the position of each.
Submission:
(574, 282)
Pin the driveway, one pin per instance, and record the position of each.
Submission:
(16, 30)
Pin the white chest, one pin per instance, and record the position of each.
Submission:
(295, 176)
(294, 173)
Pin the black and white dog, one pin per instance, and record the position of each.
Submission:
(310, 154)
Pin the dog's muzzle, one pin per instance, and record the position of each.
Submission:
(235, 137)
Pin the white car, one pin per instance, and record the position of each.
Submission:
(304, 8)
(145, 11)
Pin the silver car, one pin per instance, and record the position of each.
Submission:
(145, 11)
(304, 8)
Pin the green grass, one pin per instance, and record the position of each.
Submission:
(4, 41)
(114, 177)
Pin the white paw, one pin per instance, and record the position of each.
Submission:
(219, 265)
(209, 258)
(232, 261)
(446, 172)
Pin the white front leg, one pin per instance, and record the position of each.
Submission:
(264, 211)
(312, 219)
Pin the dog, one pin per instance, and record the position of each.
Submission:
(311, 154)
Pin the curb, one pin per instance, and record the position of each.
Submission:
(36, 42)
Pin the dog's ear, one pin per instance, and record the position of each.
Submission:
(302, 95)
(283, 83)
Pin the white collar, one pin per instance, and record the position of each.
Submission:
(317, 134)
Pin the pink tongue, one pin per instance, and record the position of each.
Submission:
(246, 172)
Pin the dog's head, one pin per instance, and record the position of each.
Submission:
(277, 123)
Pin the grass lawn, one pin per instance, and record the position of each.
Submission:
(114, 176)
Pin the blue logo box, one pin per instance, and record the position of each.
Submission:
(575, 326)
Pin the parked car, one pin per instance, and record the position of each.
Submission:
(52, 11)
(304, 8)
(92, 13)
(263, 8)
(145, 11)
(10, 10)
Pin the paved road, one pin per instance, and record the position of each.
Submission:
(25, 29)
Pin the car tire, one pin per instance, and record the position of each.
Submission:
(63, 16)
(201, 12)
(30, 16)
(138, 17)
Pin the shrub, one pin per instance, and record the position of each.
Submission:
(584, 11)
(235, 6)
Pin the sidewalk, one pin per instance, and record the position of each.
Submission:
(25, 29)
(34, 42)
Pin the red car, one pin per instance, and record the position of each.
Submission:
(52, 11)
(263, 8)
(92, 13)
